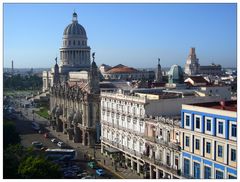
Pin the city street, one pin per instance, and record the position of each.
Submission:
(28, 135)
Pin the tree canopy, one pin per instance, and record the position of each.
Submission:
(38, 168)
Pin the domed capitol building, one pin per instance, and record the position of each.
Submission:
(73, 86)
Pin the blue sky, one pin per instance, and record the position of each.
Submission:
(131, 34)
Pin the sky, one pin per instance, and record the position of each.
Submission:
(135, 35)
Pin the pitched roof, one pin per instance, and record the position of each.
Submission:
(198, 79)
(121, 69)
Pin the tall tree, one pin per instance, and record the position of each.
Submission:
(10, 135)
(38, 168)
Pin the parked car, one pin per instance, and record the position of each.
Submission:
(37, 144)
(54, 140)
(100, 172)
(92, 165)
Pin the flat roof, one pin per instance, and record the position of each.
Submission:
(223, 105)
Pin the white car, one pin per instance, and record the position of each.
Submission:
(61, 144)
(54, 140)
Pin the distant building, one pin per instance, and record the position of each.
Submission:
(196, 81)
(212, 69)
(122, 72)
(192, 63)
(175, 75)
(209, 140)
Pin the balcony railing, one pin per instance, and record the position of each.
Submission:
(116, 125)
(175, 146)
(122, 147)
(160, 163)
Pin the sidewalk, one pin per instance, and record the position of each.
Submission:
(121, 172)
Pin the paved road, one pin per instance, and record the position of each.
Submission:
(28, 135)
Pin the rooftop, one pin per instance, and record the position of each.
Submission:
(121, 69)
(223, 105)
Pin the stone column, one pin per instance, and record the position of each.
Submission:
(138, 167)
(131, 163)
(101, 148)
(157, 173)
(172, 158)
(151, 175)
(83, 137)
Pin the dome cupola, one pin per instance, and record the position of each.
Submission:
(75, 29)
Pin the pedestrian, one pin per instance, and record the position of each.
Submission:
(104, 162)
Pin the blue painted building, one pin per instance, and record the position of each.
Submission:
(209, 140)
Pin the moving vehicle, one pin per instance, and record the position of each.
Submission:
(35, 126)
(61, 144)
(54, 140)
(100, 172)
(87, 177)
(59, 153)
(92, 164)
(37, 144)
(46, 135)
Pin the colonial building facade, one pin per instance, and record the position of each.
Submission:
(148, 146)
(209, 140)
(74, 88)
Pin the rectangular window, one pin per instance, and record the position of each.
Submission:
(208, 125)
(234, 130)
(197, 144)
(186, 167)
(207, 172)
(220, 151)
(187, 141)
(232, 177)
(197, 122)
(196, 170)
(208, 147)
(220, 127)
(187, 120)
(160, 132)
(219, 174)
(233, 155)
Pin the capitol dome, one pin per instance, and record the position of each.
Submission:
(75, 29)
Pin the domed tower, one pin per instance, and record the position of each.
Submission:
(175, 75)
(74, 53)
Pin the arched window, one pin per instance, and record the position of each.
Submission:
(69, 42)
(79, 42)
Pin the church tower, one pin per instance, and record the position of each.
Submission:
(192, 64)
(94, 77)
(56, 77)
(158, 77)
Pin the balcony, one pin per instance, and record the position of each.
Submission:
(164, 166)
(122, 147)
(161, 141)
